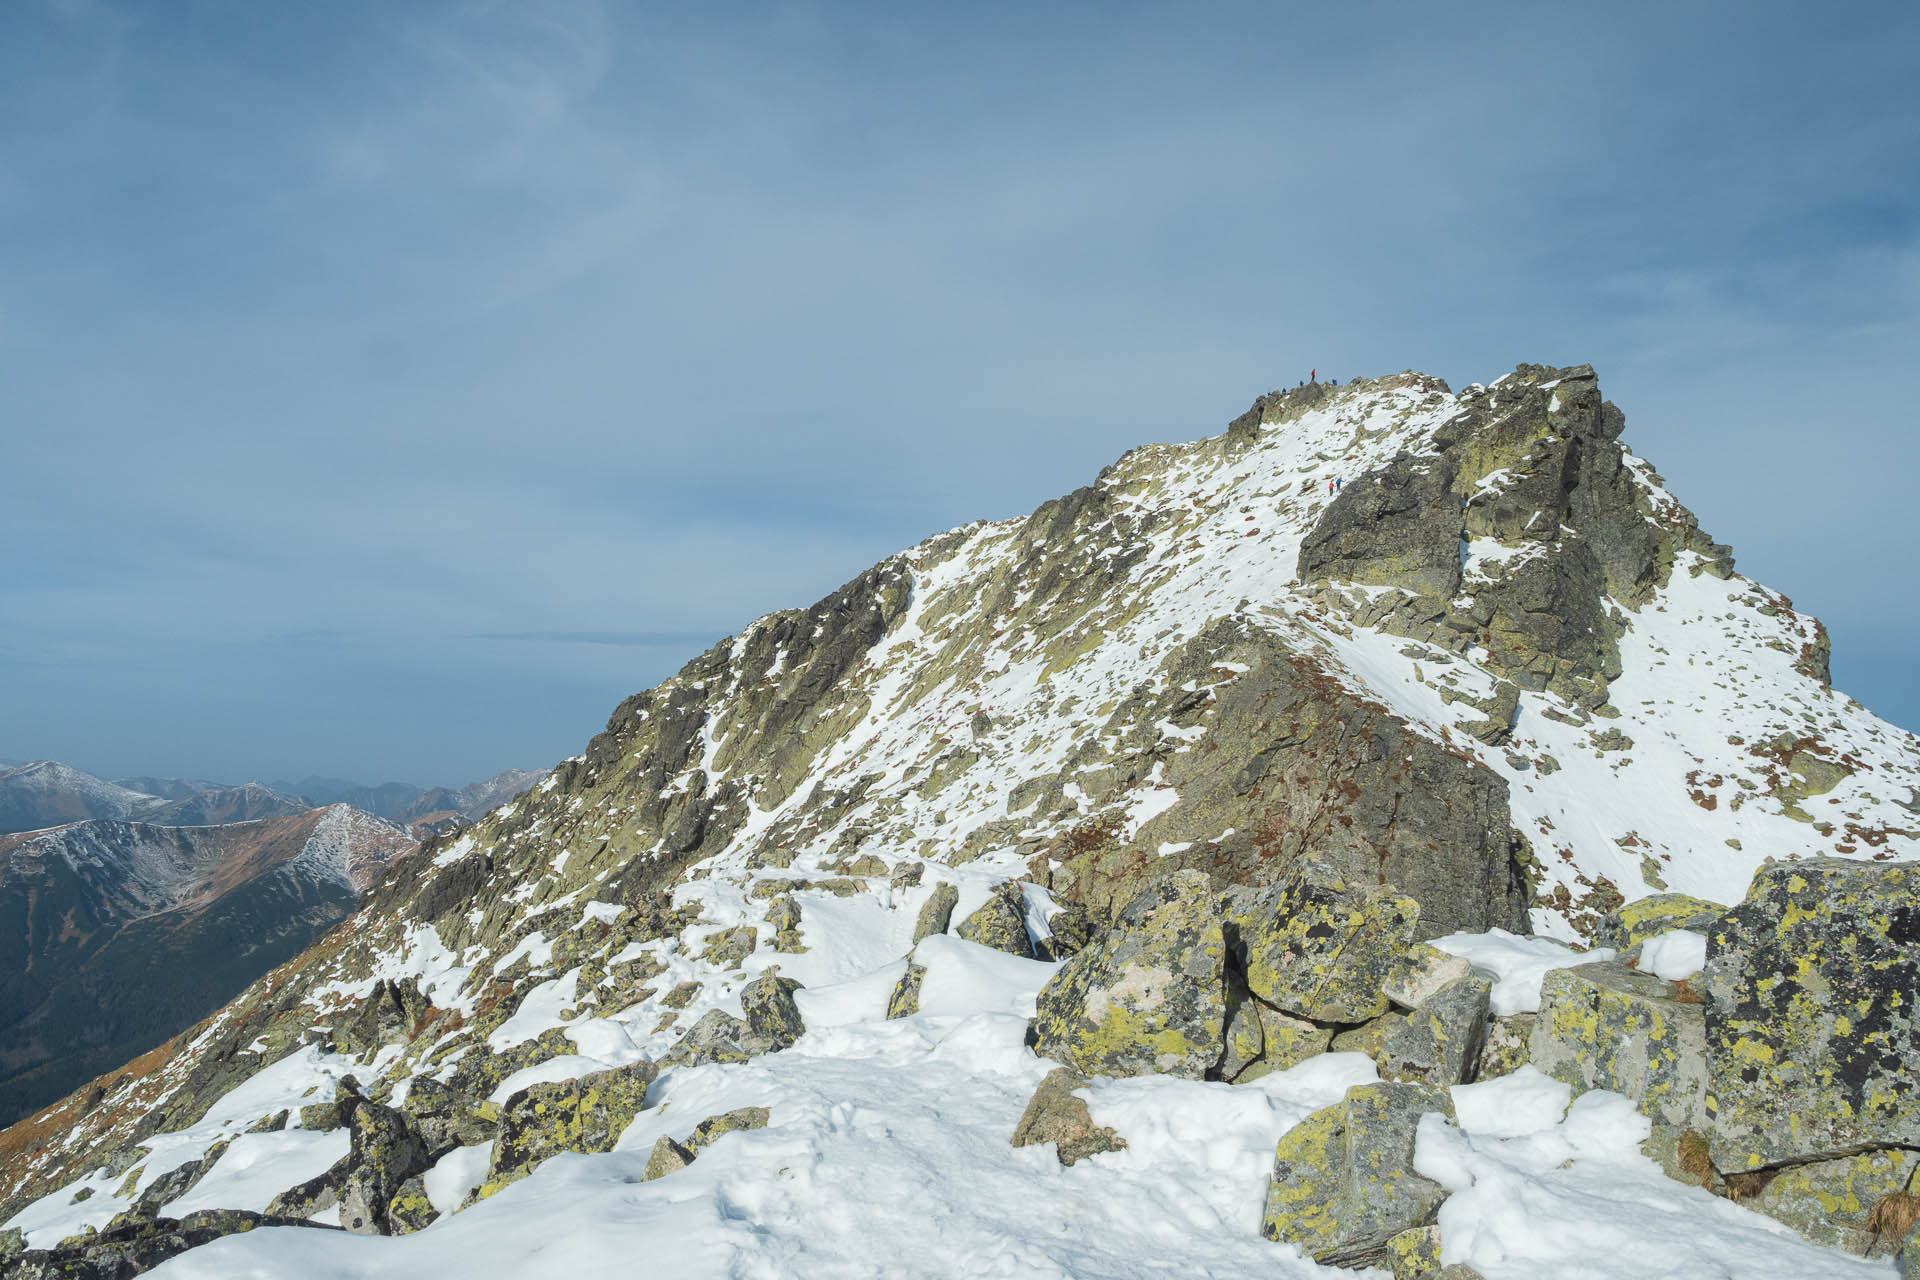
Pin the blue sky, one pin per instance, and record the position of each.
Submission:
(390, 389)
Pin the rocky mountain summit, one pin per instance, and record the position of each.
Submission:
(1389, 833)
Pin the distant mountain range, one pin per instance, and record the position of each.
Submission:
(114, 935)
(404, 802)
(131, 908)
(47, 793)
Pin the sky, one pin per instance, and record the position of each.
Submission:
(388, 390)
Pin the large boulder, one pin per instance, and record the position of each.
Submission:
(1832, 1202)
(1055, 1114)
(1322, 945)
(1343, 1182)
(1395, 527)
(1148, 998)
(1604, 1026)
(1811, 1026)
(587, 1114)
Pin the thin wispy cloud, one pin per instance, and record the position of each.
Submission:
(597, 330)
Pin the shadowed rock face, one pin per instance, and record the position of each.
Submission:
(1531, 472)
(1398, 527)
(1294, 762)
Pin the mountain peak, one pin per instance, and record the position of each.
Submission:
(1462, 654)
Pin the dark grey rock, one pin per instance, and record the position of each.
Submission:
(1812, 1039)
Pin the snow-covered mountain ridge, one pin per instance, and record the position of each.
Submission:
(1463, 644)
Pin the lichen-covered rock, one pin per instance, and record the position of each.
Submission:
(937, 912)
(710, 1130)
(587, 1114)
(1054, 1114)
(1910, 1256)
(626, 983)
(1509, 1045)
(1634, 922)
(1414, 1254)
(1441, 1041)
(1811, 1025)
(1000, 922)
(385, 1152)
(316, 1195)
(1343, 1182)
(666, 1157)
(322, 1117)
(13, 1243)
(410, 1210)
(1246, 1038)
(446, 1118)
(1370, 1037)
(1604, 1026)
(1069, 930)
(783, 913)
(134, 1246)
(390, 1014)
(1322, 945)
(717, 1037)
(729, 948)
(1149, 997)
(905, 1000)
(1832, 1202)
(176, 1182)
(1286, 1041)
(682, 995)
(1682, 1155)
(772, 1013)
(272, 1122)
(1395, 527)
(1427, 970)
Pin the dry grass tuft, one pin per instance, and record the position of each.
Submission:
(1892, 1219)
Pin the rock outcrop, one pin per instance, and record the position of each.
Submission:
(585, 1114)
